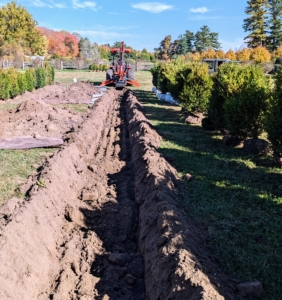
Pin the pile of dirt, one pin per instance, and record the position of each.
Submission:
(36, 118)
(79, 92)
(101, 221)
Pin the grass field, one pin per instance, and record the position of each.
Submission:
(234, 196)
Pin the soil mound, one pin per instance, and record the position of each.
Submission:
(79, 92)
(38, 119)
(101, 220)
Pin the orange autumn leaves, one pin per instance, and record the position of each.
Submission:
(60, 43)
(258, 54)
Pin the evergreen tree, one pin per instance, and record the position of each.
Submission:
(256, 23)
(275, 24)
(182, 45)
(190, 38)
(205, 39)
(175, 49)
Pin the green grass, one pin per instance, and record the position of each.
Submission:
(67, 76)
(236, 197)
(15, 167)
(7, 106)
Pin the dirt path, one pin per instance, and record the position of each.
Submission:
(102, 222)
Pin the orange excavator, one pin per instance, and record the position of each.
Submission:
(120, 73)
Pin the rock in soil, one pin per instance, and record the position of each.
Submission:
(251, 289)
(256, 146)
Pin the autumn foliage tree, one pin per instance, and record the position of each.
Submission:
(243, 54)
(230, 54)
(17, 26)
(60, 43)
(260, 54)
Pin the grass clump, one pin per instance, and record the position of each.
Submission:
(15, 167)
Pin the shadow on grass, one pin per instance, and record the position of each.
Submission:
(236, 196)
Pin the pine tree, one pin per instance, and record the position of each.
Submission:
(205, 39)
(256, 23)
(190, 38)
(275, 24)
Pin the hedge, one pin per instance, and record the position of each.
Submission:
(100, 67)
(13, 83)
(189, 83)
(273, 120)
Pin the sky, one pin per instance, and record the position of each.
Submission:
(141, 24)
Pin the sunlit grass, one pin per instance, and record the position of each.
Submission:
(235, 196)
(15, 166)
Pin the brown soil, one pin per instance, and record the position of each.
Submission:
(102, 222)
(34, 117)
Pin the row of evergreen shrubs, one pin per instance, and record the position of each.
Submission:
(240, 99)
(13, 83)
(101, 67)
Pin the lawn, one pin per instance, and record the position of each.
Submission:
(236, 197)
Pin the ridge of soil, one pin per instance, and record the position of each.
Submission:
(102, 222)
(79, 92)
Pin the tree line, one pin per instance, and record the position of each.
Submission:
(20, 35)
(187, 43)
(263, 26)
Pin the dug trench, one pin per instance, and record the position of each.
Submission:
(101, 219)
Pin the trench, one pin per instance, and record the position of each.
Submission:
(106, 225)
(110, 216)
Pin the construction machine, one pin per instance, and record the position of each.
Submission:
(120, 72)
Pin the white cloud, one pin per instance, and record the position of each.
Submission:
(234, 45)
(199, 10)
(153, 7)
(49, 4)
(102, 35)
(85, 4)
(39, 3)
(60, 5)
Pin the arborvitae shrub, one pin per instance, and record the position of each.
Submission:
(49, 74)
(244, 110)
(30, 81)
(14, 86)
(40, 78)
(159, 79)
(173, 78)
(22, 83)
(273, 120)
(197, 85)
(4, 85)
(226, 83)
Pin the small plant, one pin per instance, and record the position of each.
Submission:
(40, 182)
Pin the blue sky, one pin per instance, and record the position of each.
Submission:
(141, 24)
